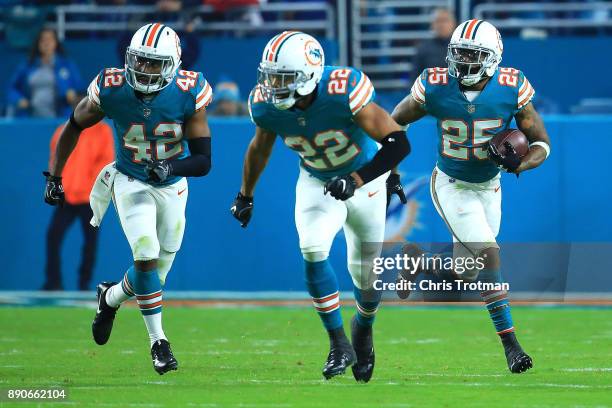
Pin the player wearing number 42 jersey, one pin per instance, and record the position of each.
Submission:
(473, 99)
(327, 115)
(158, 111)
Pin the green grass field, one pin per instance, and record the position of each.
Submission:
(272, 357)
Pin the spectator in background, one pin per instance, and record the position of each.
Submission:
(93, 151)
(239, 10)
(227, 100)
(48, 84)
(432, 53)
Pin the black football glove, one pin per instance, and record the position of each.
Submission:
(54, 191)
(341, 187)
(509, 161)
(242, 209)
(394, 186)
(157, 170)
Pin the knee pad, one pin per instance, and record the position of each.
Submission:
(145, 248)
(164, 263)
(315, 256)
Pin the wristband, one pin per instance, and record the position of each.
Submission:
(544, 146)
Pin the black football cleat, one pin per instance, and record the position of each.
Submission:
(341, 356)
(105, 315)
(518, 360)
(363, 343)
(163, 359)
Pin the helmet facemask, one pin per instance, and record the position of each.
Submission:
(470, 63)
(148, 73)
(279, 87)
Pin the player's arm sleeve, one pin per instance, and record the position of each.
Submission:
(418, 89)
(93, 91)
(257, 109)
(204, 95)
(361, 93)
(525, 92)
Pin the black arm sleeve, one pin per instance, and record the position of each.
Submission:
(395, 147)
(199, 161)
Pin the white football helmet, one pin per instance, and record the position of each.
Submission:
(475, 51)
(291, 66)
(152, 58)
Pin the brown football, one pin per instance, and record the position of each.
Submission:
(517, 139)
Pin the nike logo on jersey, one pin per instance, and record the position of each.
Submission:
(373, 194)
(182, 191)
(497, 188)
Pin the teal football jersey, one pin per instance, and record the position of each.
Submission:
(149, 129)
(465, 127)
(325, 136)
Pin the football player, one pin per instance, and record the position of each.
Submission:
(472, 100)
(158, 111)
(326, 114)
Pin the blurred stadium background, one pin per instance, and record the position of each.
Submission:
(562, 46)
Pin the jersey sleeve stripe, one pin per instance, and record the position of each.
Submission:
(525, 94)
(420, 87)
(357, 89)
(93, 91)
(361, 93)
(526, 85)
(364, 101)
(205, 98)
(203, 92)
(418, 92)
(527, 99)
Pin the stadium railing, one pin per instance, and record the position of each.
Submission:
(384, 35)
(67, 19)
(555, 15)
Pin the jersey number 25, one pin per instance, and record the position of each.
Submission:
(456, 132)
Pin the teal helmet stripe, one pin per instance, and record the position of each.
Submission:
(282, 43)
(158, 36)
(464, 28)
(270, 47)
(476, 29)
(144, 38)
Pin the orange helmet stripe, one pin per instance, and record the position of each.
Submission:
(152, 34)
(274, 47)
(468, 32)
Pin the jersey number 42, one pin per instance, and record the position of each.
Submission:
(135, 139)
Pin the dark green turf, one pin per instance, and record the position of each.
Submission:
(271, 357)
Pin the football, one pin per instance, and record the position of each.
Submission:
(517, 139)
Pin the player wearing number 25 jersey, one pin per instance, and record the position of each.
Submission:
(158, 110)
(328, 117)
(472, 100)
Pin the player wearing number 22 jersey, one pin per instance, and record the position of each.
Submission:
(472, 100)
(328, 117)
(158, 111)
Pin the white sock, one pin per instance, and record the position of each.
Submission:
(115, 296)
(154, 327)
